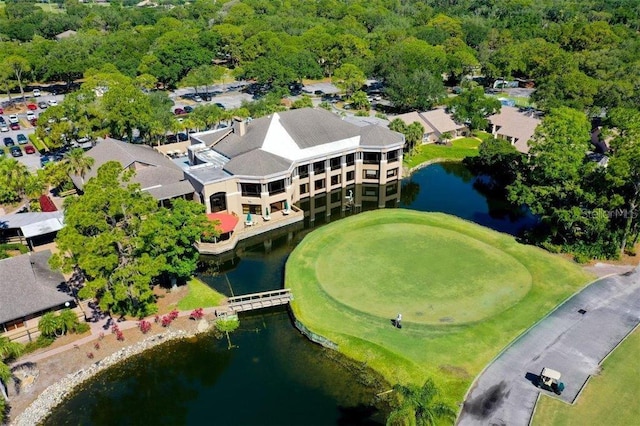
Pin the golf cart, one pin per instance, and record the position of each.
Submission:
(550, 380)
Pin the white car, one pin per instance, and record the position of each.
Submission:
(30, 115)
(52, 102)
(13, 119)
(3, 127)
(36, 93)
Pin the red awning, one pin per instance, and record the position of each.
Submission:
(227, 221)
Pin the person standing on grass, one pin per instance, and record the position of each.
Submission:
(398, 321)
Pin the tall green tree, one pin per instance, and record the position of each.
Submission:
(418, 405)
(349, 78)
(473, 107)
(101, 240)
(418, 89)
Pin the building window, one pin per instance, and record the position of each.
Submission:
(252, 208)
(218, 202)
(303, 171)
(334, 163)
(392, 156)
(351, 176)
(250, 189)
(392, 189)
(304, 188)
(371, 158)
(319, 167)
(350, 159)
(276, 187)
(320, 201)
(336, 196)
(335, 180)
(370, 174)
(319, 184)
(392, 173)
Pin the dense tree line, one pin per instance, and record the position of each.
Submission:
(580, 54)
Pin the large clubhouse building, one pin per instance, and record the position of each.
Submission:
(268, 164)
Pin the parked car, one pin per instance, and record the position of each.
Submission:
(44, 160)
(182, 137)
(52, 102)
(30, 115)
(197, 98)
(29, 149)
(4, 127)
(8, 142)
(219, 105)
(42, 105)
(16, 151)
(187, 109)
(1, 110)
(178, 111)
(34, 122)
(32, 107)
(2, 119)
(36, 93)
(22, 139)
(13, 119)
(14, 126)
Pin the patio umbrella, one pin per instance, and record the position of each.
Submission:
(286, 205)
(249, 218)
(267, 212)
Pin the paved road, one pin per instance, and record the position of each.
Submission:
(571, 342)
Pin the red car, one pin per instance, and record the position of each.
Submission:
(32, 107)
(14, 126)
(178, 111)
(1, 111)
(34, 122)
(29, 149)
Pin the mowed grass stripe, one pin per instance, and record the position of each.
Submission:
(451, 353)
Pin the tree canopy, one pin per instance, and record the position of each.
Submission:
(118, 238)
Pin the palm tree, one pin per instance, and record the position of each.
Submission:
(49, 324)
(77, 163)
(8, 349)
(417, 406)
(68, 320)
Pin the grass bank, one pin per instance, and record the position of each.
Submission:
(458, 150)
(609, 398)
(464, 291)
(200, 295)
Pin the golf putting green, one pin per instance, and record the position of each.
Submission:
(464, 292)
(429, 274)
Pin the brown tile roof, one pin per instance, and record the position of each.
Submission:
(510, 122)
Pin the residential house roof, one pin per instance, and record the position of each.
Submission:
(33, 224)
(436, 121)
(519, 126)
(28, 286)
(155, 173)
(65, 34)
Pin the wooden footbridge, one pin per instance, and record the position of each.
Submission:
(250, 302)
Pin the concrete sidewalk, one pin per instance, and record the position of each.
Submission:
(574, 339)
(100, 327)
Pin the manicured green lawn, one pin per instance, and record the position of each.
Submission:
(460, 148)
(200, 296)
(609, 399)
(464, 291)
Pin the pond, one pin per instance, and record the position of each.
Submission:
(273, 375)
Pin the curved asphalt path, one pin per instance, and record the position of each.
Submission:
(571, 342)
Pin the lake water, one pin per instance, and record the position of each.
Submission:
(273, 375)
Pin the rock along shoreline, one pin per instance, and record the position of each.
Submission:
(55, 394)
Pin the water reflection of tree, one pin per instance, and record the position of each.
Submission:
(497, 203)
(459, 170)
(409, 192)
